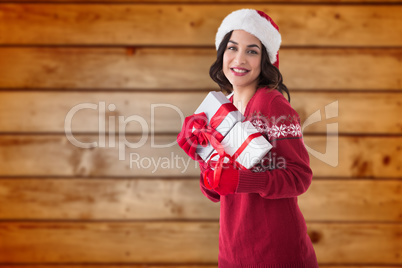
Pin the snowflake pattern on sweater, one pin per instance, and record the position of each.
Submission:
(276, 128)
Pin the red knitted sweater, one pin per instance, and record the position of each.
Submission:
(261, 225)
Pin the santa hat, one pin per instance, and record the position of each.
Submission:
(256, 23)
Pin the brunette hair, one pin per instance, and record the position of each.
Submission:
(270, 76)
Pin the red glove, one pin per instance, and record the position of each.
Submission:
(187, 140)
(228, 182)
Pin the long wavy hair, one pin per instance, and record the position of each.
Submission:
(270, 76)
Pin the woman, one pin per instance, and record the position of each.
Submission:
(260, 221)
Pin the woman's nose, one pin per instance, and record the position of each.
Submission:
(240, 58)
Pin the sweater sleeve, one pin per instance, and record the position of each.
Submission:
(285, 172)
(210, 194)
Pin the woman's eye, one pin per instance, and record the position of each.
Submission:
(253, 52)
(231, 48)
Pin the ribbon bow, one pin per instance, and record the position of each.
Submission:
(198, 132)
(203, 132)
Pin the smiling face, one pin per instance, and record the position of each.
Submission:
(242, 60)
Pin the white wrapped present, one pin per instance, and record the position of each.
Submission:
(222, 116)
(245, 145)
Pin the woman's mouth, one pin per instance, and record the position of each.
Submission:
(239, 71)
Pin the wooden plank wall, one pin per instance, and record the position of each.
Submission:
(147, 62)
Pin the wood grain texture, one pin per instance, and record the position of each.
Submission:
(353, 201)
(111, 199)
(379, 158)
(55, 155)
(356, 243)
(181, 199)
(165, 266)
(70, 207)
(107, 68)
(128, 266)
(164, 112)
(92, 68)
(118, 242)
(125, 266)
(131, 266)
(221, 1)
(173, 242)
(301, 25)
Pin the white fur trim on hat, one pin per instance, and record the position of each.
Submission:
(250, 21)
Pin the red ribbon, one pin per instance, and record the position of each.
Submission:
(205, 132)
(222, 112)
(245, 144)
(218, 165)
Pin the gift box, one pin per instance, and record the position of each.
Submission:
(244, 144)
(222, 116)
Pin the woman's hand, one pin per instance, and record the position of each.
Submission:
(187, 140)
(229, 180)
